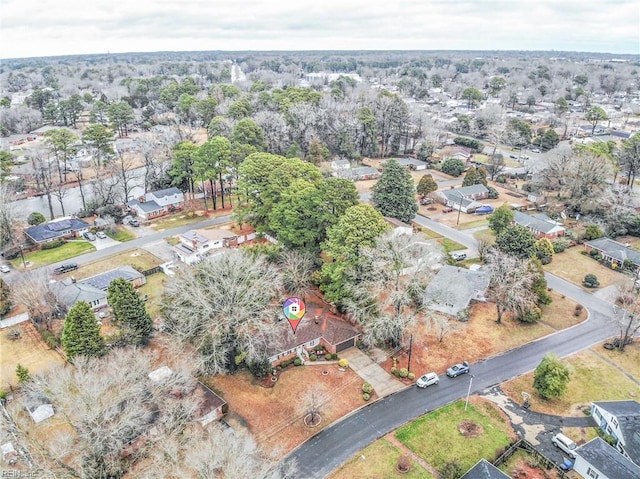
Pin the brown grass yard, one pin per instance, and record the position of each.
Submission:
(30, 351)
(136, 258)
(592, 379)
(487, 337)
(628, 360)
(274, 415)
(573, 266)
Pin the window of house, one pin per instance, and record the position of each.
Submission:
(592, 473)
(614, 422)
(597, 414)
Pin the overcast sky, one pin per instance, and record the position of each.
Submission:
(63, 27)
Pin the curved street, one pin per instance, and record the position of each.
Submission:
(332, 446)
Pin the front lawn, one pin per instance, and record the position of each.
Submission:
(592, 379)
(449, 245)
(573, 266)
(44, 257)
(474, 224)
(441, 437)
(120, 234)
(137, 258)
(378, 460)
(153, 288)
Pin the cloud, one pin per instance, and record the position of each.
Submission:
(31, 28)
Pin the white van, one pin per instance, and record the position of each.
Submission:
(564, 443)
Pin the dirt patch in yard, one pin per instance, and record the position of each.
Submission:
(275, 415)
(30, 351)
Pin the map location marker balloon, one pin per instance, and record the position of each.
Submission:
(294, 311)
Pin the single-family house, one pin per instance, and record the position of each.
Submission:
(39, 407)
(58, 229)
(540, 225)
(621, 420)
(333, 334)
(484, 470)
(465, 198)
(337, 165)
(101, 281)
(399, 227)
(359, 173)
(453, 288)
(70, 292)
(613, 252)
(195, 245)
(456, 152)
(413, 164)
(598, 460)
(9, 453)
(211, 407)
(157, 203)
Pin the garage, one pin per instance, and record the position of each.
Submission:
(346, 344)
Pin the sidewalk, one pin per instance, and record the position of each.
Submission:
(383, 383)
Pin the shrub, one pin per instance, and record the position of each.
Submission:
(592, 232)
(463, 315)
(411, 376)
(453, 167)
(3, 394)
(451, 470)
(403, 373)
(36, 218)
(22, 373)
(559, 245)
(591, 281)
(404, 463)
(394, 371)
(14, 334)
(578, 310)
(260, 368)
(531, 315)
(297, 362)
(366, 396)
(343, 363)
(367, 388)
(53, 244)
(493, 193)
(313, 357)
(49, 338)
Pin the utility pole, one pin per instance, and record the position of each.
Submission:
(410, 347)
(468, 392)
(459, 207)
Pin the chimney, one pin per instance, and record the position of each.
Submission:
(315, 319)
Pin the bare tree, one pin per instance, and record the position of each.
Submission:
(510, 284)
(392, 277)
(38, 295)
(8, 234)
(44, 178)
(225, 307)
(122, 168)
(442, 326)
(626, 314)
(311, 402)
(297, 269)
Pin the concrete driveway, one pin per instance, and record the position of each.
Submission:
(102, 243)
(370, 371)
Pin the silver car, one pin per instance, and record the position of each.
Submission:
(427, 380)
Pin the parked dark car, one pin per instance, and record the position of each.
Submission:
(135, 223)
(458, 369)
(65, 268)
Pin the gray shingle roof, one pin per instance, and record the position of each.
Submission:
(146, 206)
(71, 293)
(627, 413)
(411, 161)
(166, 192)
(102, 280)
(607, 460)
(465, 191)
(616, 250)
(484, 470)
(452, 288)
(539, 223)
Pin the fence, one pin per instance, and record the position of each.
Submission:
(524, 445)
(151, 271)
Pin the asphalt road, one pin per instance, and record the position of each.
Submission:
(332, 446)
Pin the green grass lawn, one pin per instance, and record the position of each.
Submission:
(120, 234)
(380, 459)
(44, 257)
(430, 234)
(435, 436)
(485, 235)
(473, 224)
(153, 288)
(449, 245)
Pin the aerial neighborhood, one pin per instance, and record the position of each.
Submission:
(320, 264)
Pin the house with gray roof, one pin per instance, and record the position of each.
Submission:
(39, 407)
(613, 252)
(58, 229)
(621, 420)
(101, 281)
(484, 470)
(195, 245)
(157, 203)
(69, 292)
(540, 225)
(359, 173)
(598, 460)
(413, 164)
(464, 198)
(453, 288)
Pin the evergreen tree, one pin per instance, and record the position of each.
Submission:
(426, 185)
(501, 218)
(394, 193)
(551, 377)
(517, 241)
(81, 333)
(471, 178)
(129, 311)
(5, 298)
(22, 373)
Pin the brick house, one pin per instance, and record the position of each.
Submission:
(613, 252)
(540, 225)
(157, 203)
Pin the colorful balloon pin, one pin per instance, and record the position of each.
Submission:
(294, 311)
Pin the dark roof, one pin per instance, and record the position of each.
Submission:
(146, 206)
(540, 223)
(454, 194)
(627, 414)
(616, 250)
(333, 330)
(55, 229)
(70, 293)
(166, 192)
(607, 460)
(484, 470)
(102, 280)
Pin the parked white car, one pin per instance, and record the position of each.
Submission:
(427, 380)
(565, 444)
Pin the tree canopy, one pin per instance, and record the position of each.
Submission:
(81, 332)
(551, 377)
(501, 218)
(394, 193)
(517, 241)
(129, 311)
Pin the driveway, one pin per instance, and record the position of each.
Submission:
(371, 372)
(102, 243)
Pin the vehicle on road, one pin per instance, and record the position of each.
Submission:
(458, 256)
(5, 268)
(427, 380)
(458, 369)
(134, 222)
(536, 150)
(101, 235)
(515, 157)
(89, 236)
(565, 444)
(65, 268)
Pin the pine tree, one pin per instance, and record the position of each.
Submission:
(81, 333)
(5, 298)
(426, 185)
(129, 311)
(394, 194)
(471, 178)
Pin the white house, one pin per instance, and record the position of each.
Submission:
(598, 460)
(195, 245)
(620, 419)
(413, 164)
(337, 165)
(399, 227)
(157, 203)
(39, 407)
